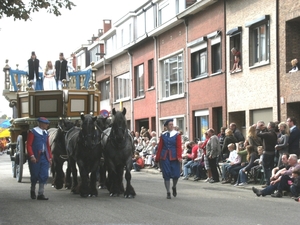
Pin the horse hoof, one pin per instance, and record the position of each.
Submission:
(129, 196)
(84, 195)
(113, 195)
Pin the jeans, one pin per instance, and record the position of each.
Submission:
(186, 168)
(242, 177)
(225, 168)
(136, 167)
(295, 190)
(282, 185)
(268, 161)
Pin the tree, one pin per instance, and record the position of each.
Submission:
(22, 11)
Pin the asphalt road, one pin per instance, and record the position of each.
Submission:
(196, 203)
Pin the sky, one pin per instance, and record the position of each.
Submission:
(49, 35)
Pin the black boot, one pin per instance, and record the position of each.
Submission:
(42, 197)
(174, 191)
(168, 195)
(32, 195)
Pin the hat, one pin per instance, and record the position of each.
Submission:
(43, 120)
(167, 122)
(32, 53)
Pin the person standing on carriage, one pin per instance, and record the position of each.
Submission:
(168, 154)
(61, 69)
(40, 157)
(33, 72)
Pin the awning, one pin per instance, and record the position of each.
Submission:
(234, 31)
(5, 133)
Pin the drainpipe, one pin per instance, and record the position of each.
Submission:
(155, 61)
(131, 88)
(187, 130)
(278, 62)
(225, 72)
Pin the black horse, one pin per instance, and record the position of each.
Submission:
(84, 148)
(118, 150)
(59, 152)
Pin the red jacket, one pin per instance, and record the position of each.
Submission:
(30, 139)
(140, 162)
(178, 149)
(194, 153)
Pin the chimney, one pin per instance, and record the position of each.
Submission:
(106, 25)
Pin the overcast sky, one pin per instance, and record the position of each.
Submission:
(49, 35)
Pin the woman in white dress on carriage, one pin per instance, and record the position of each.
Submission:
(49, 77)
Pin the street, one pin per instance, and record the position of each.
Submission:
(196, 203)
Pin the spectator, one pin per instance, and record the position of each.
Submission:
(184, 138)
(186, 149)
(205, 158)
(295, 68)
(283, 141)
(138, 162)
(221, 136)
(242, 152)
(253, 139)
(269, 138)
(237, 66)
(229, 138)
(212, 151)
(251, 157)
(276, 172)
(294, 136)
(282, 180)
(236, 132)
(295, 186)
(258, 163)
(189, 164)
(198, 166)
(234, 159)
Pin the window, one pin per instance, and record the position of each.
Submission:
(139, 80)
(93, 56)
(105, 89)
(164, 12)
(122, 86)
(216, 58)
(259, 41)
(150, 73)
(172, 76)
(140, 25)
(235, 42)
(199, 63)
(180, 6)
(201, 123)
(150, 19)
(110, 45)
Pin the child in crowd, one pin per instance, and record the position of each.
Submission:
(138, 162)
(258, 162)
(295, 68)
(295, 185)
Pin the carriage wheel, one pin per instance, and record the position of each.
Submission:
(20, 154)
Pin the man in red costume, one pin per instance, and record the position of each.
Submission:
(169, 153)
(40, 157)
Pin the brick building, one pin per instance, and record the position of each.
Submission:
(252, 93)
(289, 41)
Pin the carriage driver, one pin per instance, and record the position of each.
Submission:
(40, 157)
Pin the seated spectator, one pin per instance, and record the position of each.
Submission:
(242, 152)
(138, 162)
(150, 153)
(295, 67)
(232, 160)
(229, 138)
(277, 171)
(282, 180)
(251, 157)
(189, 164)
(198, 165)
(295, 185)
(258, 163)
(237, 66)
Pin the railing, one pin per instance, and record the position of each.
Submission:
(19, 80)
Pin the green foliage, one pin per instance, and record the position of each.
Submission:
(22, 9)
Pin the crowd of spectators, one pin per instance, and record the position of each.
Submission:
(269, 154)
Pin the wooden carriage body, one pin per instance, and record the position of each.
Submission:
(80, 94)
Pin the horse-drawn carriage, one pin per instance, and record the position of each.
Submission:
(78, 100)
(79, 95)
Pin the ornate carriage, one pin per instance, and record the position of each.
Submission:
(79, 94)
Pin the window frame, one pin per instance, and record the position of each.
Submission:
(139, 82)
(120, 85)
(105, 92)
(256, 57)
(151, 79)
(217, 40)
(166, 76)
